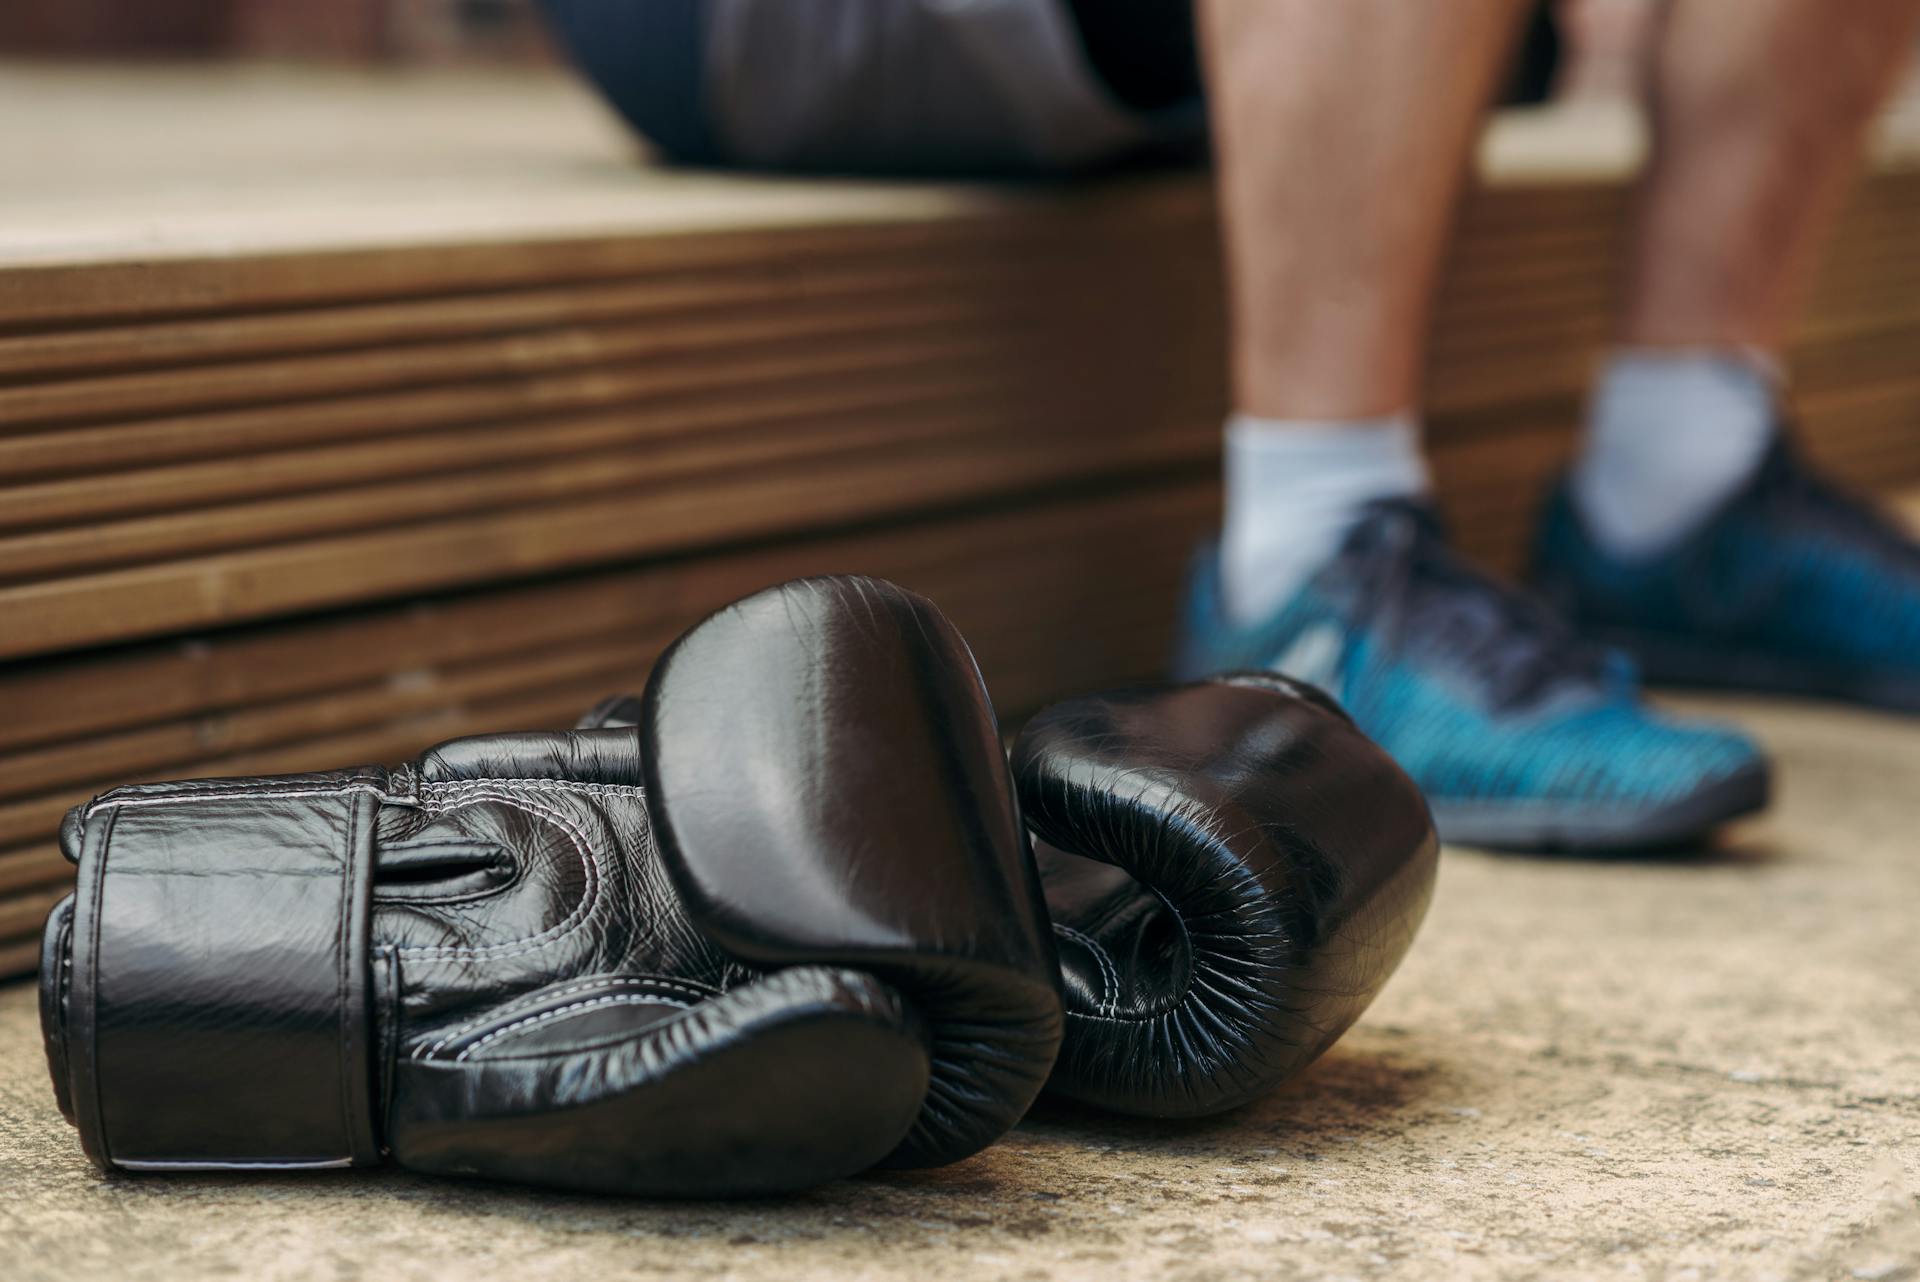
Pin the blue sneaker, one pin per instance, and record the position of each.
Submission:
(1521, 735)
(1792, 587)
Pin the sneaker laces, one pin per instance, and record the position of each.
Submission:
(1419, 588)
(1788, 485)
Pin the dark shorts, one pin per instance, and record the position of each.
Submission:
(894, 86)
(913, 86)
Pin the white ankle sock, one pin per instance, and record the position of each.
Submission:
(1294, 488)
(1670, 435)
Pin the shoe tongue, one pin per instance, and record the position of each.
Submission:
(1405, 517)
(1460, 615)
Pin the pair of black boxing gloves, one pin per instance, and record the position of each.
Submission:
(776, 921)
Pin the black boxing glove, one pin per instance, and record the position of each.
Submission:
(810, 943)
(1233, 871)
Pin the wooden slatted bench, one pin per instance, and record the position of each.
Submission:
(340, 413)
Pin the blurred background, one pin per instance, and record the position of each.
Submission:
(1603, 37)
(373, 31)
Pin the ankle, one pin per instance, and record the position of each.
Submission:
(1294, 489)
(1671, 434)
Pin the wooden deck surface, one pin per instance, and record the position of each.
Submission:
(340, 412)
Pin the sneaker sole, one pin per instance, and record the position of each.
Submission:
(1669, 661)
(1594, 828)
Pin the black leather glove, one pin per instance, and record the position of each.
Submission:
(804, 937)
(1233, 870)
(1246, 870)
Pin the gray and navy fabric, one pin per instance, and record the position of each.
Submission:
(1521, 734)
(1792, 587)
(894, 87)
(936, 87)
(648, 61)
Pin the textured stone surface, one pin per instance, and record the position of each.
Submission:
(1700, 1066)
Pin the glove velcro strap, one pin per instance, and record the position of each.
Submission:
(218, 1011)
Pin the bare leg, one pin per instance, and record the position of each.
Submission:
(1341, 135)
(1341, 132)
(1760, 110)
(1760, 107)
(1607, 42)
(1698, 541)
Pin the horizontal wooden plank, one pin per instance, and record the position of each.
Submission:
(242, 454)
(22, 914)
(307, 376)
(787, 221)
(673, 293)
(32, 868)
(426, 176)
(204, 591)
(449, 475)
(1052, 596)
(880, 456)
(119, 450)
(144, 752)
(33, 822)
(1534, 279)
(21, 956)
(892, 377)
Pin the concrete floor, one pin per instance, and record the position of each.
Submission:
(1694, 1067)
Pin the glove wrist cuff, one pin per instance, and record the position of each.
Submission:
(206, 994)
